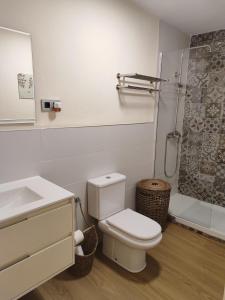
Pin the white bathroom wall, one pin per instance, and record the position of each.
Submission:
(170, 38)
(171, 41)
(70, 156)
(83, 76)
(78, 48)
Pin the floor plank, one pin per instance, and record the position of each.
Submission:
(185, 266)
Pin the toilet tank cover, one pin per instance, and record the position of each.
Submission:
(107, 180)
(135, 224)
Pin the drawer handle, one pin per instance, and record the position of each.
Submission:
(15, 262)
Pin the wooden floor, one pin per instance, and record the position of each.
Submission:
(185, 266)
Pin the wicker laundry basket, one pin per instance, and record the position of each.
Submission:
(152, 199)
(83, 263)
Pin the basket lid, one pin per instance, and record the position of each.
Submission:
(154, 185)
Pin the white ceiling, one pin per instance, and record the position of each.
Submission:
(191, 16)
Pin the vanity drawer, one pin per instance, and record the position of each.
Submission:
(32, 271)
(29, 236)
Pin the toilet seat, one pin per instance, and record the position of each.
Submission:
(133, 229)
(135, 225)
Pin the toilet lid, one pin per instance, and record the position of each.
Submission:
(135, 224)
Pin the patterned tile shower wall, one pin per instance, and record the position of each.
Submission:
(202, 167)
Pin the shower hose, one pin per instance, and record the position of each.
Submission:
(172, 136)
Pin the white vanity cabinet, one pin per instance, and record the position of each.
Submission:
(36, 246)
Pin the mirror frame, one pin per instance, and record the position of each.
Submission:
(22, 121)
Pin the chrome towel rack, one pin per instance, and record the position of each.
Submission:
(153, 82)
(132, 87)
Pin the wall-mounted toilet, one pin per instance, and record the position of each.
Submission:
(127, 235)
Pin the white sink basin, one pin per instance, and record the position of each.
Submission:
(23, 196)
(18, 197)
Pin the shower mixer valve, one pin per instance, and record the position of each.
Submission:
(174, 135)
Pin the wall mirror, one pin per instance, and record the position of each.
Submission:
(17, 103)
